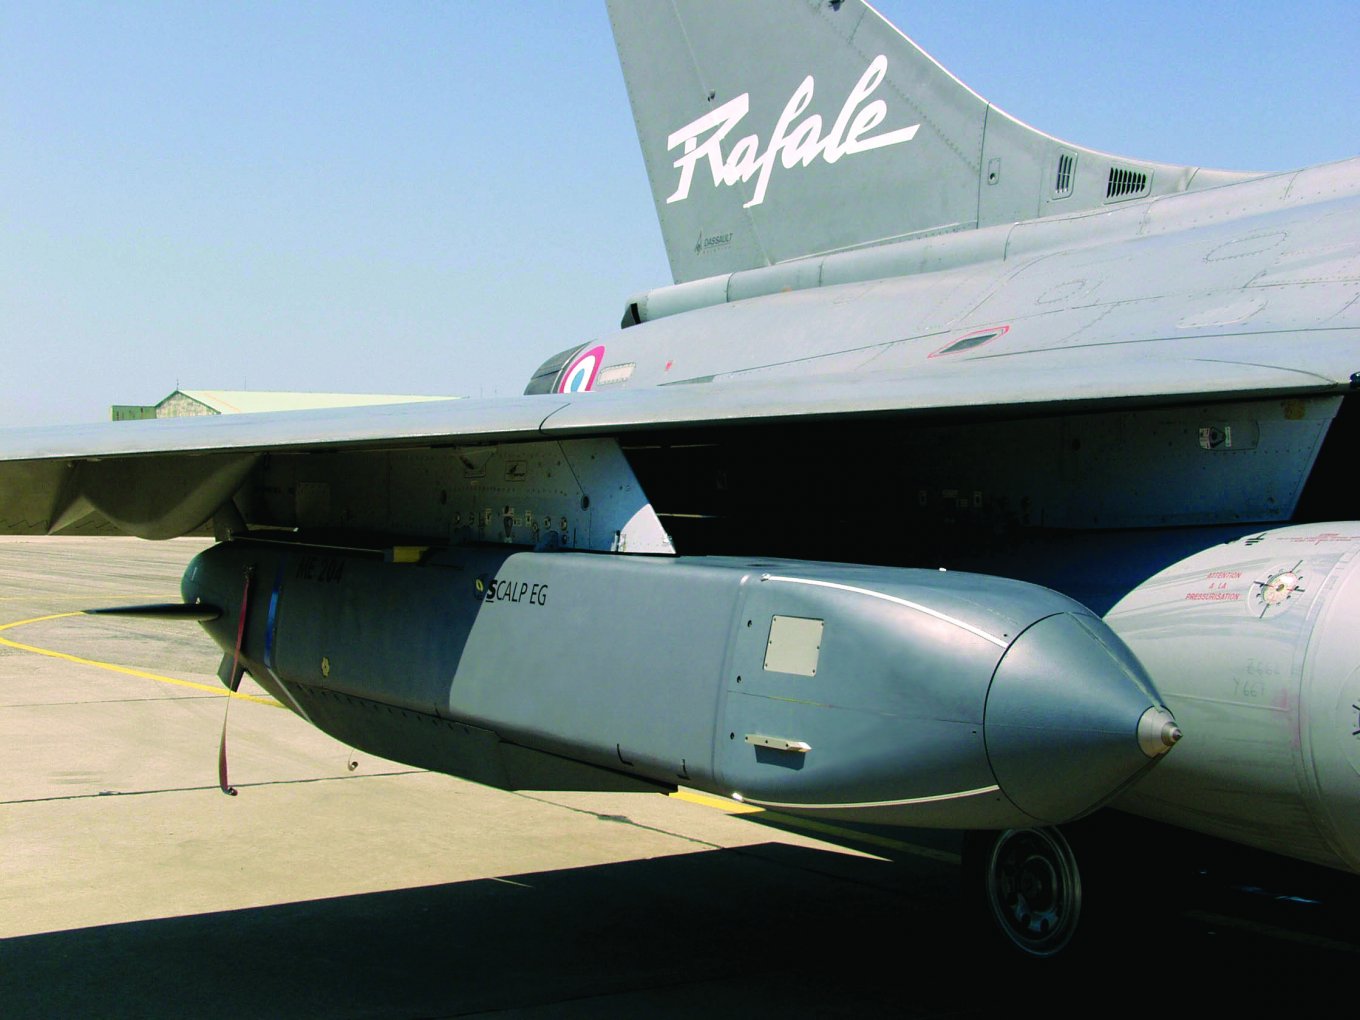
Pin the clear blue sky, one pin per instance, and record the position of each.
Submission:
(431, 198)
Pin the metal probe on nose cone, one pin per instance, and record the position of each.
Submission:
(1157, 732)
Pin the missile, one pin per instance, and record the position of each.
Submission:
(899, 696)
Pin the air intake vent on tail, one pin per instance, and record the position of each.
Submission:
(1125, 183)
(1062, 184)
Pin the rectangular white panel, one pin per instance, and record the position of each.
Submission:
(794, 646)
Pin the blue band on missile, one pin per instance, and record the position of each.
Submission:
(271, 622)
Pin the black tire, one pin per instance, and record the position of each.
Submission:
(1027, 887)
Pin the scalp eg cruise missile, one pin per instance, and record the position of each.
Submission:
(899, 696)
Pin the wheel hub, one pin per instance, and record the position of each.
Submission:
(1034, 889)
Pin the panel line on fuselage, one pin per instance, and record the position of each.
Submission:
(999, 642)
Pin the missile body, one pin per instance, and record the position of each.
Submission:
(888, 695)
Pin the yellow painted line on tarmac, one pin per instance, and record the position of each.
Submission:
(114, 668)
(87, 597)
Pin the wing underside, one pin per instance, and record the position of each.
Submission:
(165, 478)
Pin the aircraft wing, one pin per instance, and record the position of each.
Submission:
(51, 478)
(1095, 376)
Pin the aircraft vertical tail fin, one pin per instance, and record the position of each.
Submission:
(771, 132)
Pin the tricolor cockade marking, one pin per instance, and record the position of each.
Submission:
(792, 144)
(580, 375)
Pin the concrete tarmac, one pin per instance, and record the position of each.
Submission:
(342, 885)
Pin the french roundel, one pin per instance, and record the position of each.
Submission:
(579, 376)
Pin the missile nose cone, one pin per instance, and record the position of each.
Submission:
(1071, 718)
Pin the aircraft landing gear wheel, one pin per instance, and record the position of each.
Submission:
(1033, 888)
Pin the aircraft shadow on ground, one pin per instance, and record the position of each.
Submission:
(756, 930)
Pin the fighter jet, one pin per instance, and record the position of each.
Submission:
(959, 472)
